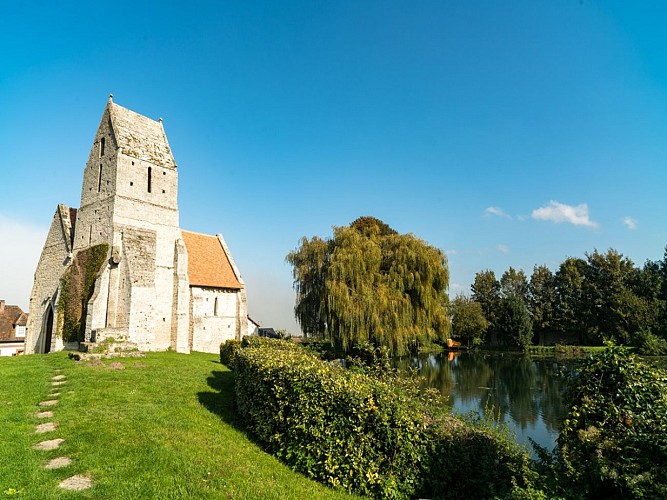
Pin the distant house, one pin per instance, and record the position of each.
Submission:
(268, 332)
(13, 323)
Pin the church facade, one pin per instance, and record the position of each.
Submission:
(157, 287)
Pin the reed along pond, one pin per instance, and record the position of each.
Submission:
(525, 393)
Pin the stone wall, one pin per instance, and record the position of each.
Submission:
(54, 260)
(214, 314)
(129, 202)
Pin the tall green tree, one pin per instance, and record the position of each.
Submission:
(614, 311)
(486, 291)
(513, 325)
(542, 299)
(650, 283)
(468, 321)
(514, 282)
(369, 283)
(570, 307)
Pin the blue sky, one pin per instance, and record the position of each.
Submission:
(504, 133)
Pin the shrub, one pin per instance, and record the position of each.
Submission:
(354, 431)
(650, 344)
(323, 349)
(341, 428)
(613, 443)
(266, 342)
(228, 350)
(470, 458)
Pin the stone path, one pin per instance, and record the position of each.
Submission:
(58, 463)
(77, 482)
(47, 427)
(51, 444)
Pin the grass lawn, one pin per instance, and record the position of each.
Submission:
(160, 427)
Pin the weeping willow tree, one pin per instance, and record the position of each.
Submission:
(369, 283)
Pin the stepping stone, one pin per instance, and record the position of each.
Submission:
(47, 427)
(76, 483)
(51, 444)
(50, 402)
(58, 463)
(54, 395)
(60, 382)
(58, 377)
(44, 414)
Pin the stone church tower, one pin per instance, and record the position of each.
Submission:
(143, 292)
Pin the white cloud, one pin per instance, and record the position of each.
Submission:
(560, 212)
(630, 222)
(503, 248)
(19, 253)
(497, 211)
(451, 252)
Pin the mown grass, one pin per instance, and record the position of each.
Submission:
(162, 427)
(563, 350)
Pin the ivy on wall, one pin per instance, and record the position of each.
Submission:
(76, 289)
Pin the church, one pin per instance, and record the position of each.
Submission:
(120, 267)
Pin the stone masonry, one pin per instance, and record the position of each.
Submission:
(145, 293)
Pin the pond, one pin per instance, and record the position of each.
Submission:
(523, 392)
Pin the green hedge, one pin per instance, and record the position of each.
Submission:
(264, 342)
(353, 431)
(472, 459)
(228, 350)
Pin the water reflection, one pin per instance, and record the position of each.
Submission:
(525, 393)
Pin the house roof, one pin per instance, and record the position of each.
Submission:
(9, 317)
(139, 136)
(208, 262)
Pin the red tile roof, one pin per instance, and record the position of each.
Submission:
(208, 263)
(9, 317)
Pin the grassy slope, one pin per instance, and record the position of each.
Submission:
(162, 427)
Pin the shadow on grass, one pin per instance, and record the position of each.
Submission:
(221, 402)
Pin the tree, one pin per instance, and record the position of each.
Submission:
(369, 283)
(613, 442)
(650, 284)
(568, 282)
(486, 291)
(613, 310)
(468, 321)
(542, 299)
(513, 324)
(514, 282)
